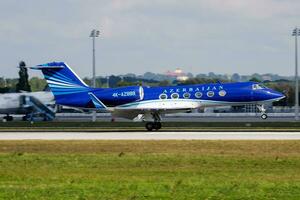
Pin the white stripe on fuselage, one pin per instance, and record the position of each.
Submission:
(170, 104)
(163, 104)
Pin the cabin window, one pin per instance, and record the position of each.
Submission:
(163, 96)
(198, 95)
(186, 95)
(210, 93)
(262, 86)
(222, 93)
(175, 96)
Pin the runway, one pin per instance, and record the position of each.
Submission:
(149, 135)
(179, 117)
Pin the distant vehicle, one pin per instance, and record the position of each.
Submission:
(29, 104)
(149, 103)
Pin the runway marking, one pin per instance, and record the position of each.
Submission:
(223, 132)
(149, 136)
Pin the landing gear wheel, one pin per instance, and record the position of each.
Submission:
(264, 116)
(8, 118)
(149, 126)
(157, 125)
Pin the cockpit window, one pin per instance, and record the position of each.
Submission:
(258, 86)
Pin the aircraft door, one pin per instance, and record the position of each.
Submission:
(141, 92)
(22, 100)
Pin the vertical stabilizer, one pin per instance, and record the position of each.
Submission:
(65, 84)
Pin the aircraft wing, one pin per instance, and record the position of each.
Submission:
(154, 107)
(133, 113)
(128, 114)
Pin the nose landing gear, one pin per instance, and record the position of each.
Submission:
(263, 115)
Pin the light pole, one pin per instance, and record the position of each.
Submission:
(296, 33)
(107, 81)
(95, 33)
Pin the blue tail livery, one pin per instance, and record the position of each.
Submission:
(65, 85)
(149, 103)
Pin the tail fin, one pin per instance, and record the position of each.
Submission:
(66, 86)
(61, 78)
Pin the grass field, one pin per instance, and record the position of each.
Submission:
(150, 170)
(135, 126)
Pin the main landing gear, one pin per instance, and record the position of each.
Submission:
(150, 126)
(263, 112)
(155, 123)
(8, 118)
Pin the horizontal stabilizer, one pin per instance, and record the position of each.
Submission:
(53, 65)
(97, 103)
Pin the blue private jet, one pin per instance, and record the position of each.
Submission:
(149, 103)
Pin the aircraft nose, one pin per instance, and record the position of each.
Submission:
(276, 95)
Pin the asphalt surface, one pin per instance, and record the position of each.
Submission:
(180, 117)
(149, 136)
(186, 118)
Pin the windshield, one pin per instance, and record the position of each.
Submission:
(258, 86)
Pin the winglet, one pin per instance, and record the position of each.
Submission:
(97, 103)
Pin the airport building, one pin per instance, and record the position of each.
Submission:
(178, 74)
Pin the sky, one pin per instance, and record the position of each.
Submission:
(198, 36)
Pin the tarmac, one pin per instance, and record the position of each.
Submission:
(179, 117)
(149, 135)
